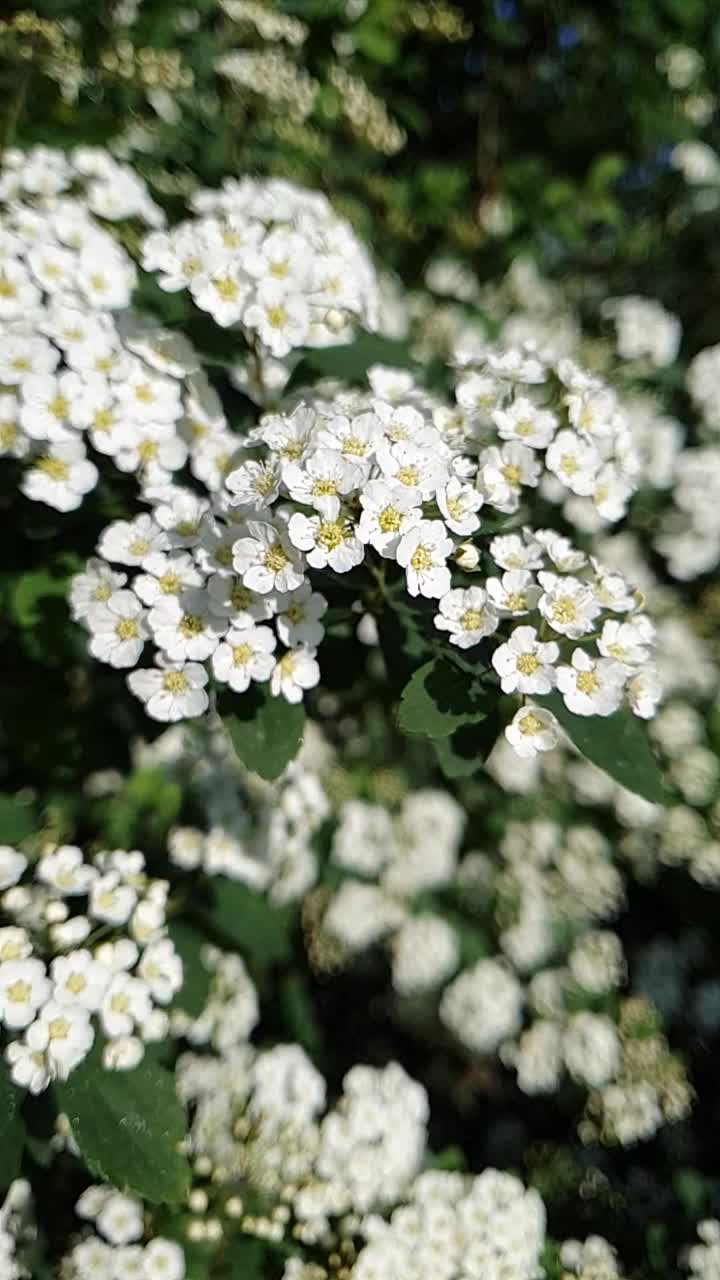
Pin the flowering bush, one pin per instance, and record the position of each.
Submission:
(359, 775)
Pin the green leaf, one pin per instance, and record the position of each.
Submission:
(32, 588)
(439, 699)
(617, 744)
(192, 996)
(260, 931)
(128, 1126)
(465, 751)
(351, 360)
(12, 1130)
(266, 732)
(17, 819)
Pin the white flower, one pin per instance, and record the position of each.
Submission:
(466, 615)
(280, 319)
(254, 484)
(24, 987)
(94, 585)
(422, 553)
(298, 617)
(111, 900)
(568, 605)
(65, 869)
(29, 1068)
(12, 865)
(120, 1219)
(524, 664)
(118, 629)
(64, 1034)
(516, 593)
(389, 510)
(502, 473)
(458, 504)
(510, 552)
(591, 687)
(244, 655)
(418, 469)
(295, 672)
(532, 729)
(626, 642)
(184, 628)
(231, 600)
(425, 951)
(61, 476)
(328, 542)
(131, 541)
(355, 438)
(321, 480)
(123, 1053)
(79, 979)
(163, 1260)
(644, 692)
(166, 575)
(173, 692)
(15, 944)
(126, 1003)
(525, 422)
(591, 1049)
(574, 461)
(266, 559)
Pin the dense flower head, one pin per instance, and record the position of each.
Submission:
(84, 957)
(273, 259)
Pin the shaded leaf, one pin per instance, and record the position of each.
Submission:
(265, 732)
(128, 1126)
(12, 1130)
(17, 819)
(439, 699)
(617, 744)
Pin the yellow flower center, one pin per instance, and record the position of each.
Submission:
(531, 724)
(59, 1029)
(516, 601)
(98, 282)
(223, 555)
(226, 289)
(617, 651)
(280, 269)
(277, 317)
(524, 429)
(390, 520)
(287, 664)
(186, 528)
(7, 289)
(472, 619)
(144, 393)
(119, 1003)
(58, 407)
(8, 434)
(239, 598)
(126, 629)
(564, 610)
(356, 447)
(21, 364)
(512, 475)
(264, 482)
(324, 489)
(587, 682)
(54, 468)
(295, 613)
(102, 419)
(18, 992)
(147, 450)
(175, 682)
(330, 534)
(192, 625)
(421, 560)
(276, 558)
(169, 584)
(102, 592)
(190, 266)
(139, 547)
(408, 476)
(456, 508)
(568, 464)
(9, 951)
(292, 451)
(76, 983)
(242, 654)
(527, 664)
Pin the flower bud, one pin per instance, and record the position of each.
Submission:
(467, 556)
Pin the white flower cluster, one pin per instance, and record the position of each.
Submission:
(59, 984)
(406, 854)
(231, 1010)
(689, 533)
(14, 1223)
(258, 1116)
(703, 1259)
(117, 1245)
(64, 370)
(645, 330)
(362, 478)
(545, 423)
(273, 259)
(456, 1228)
(590, 1259)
